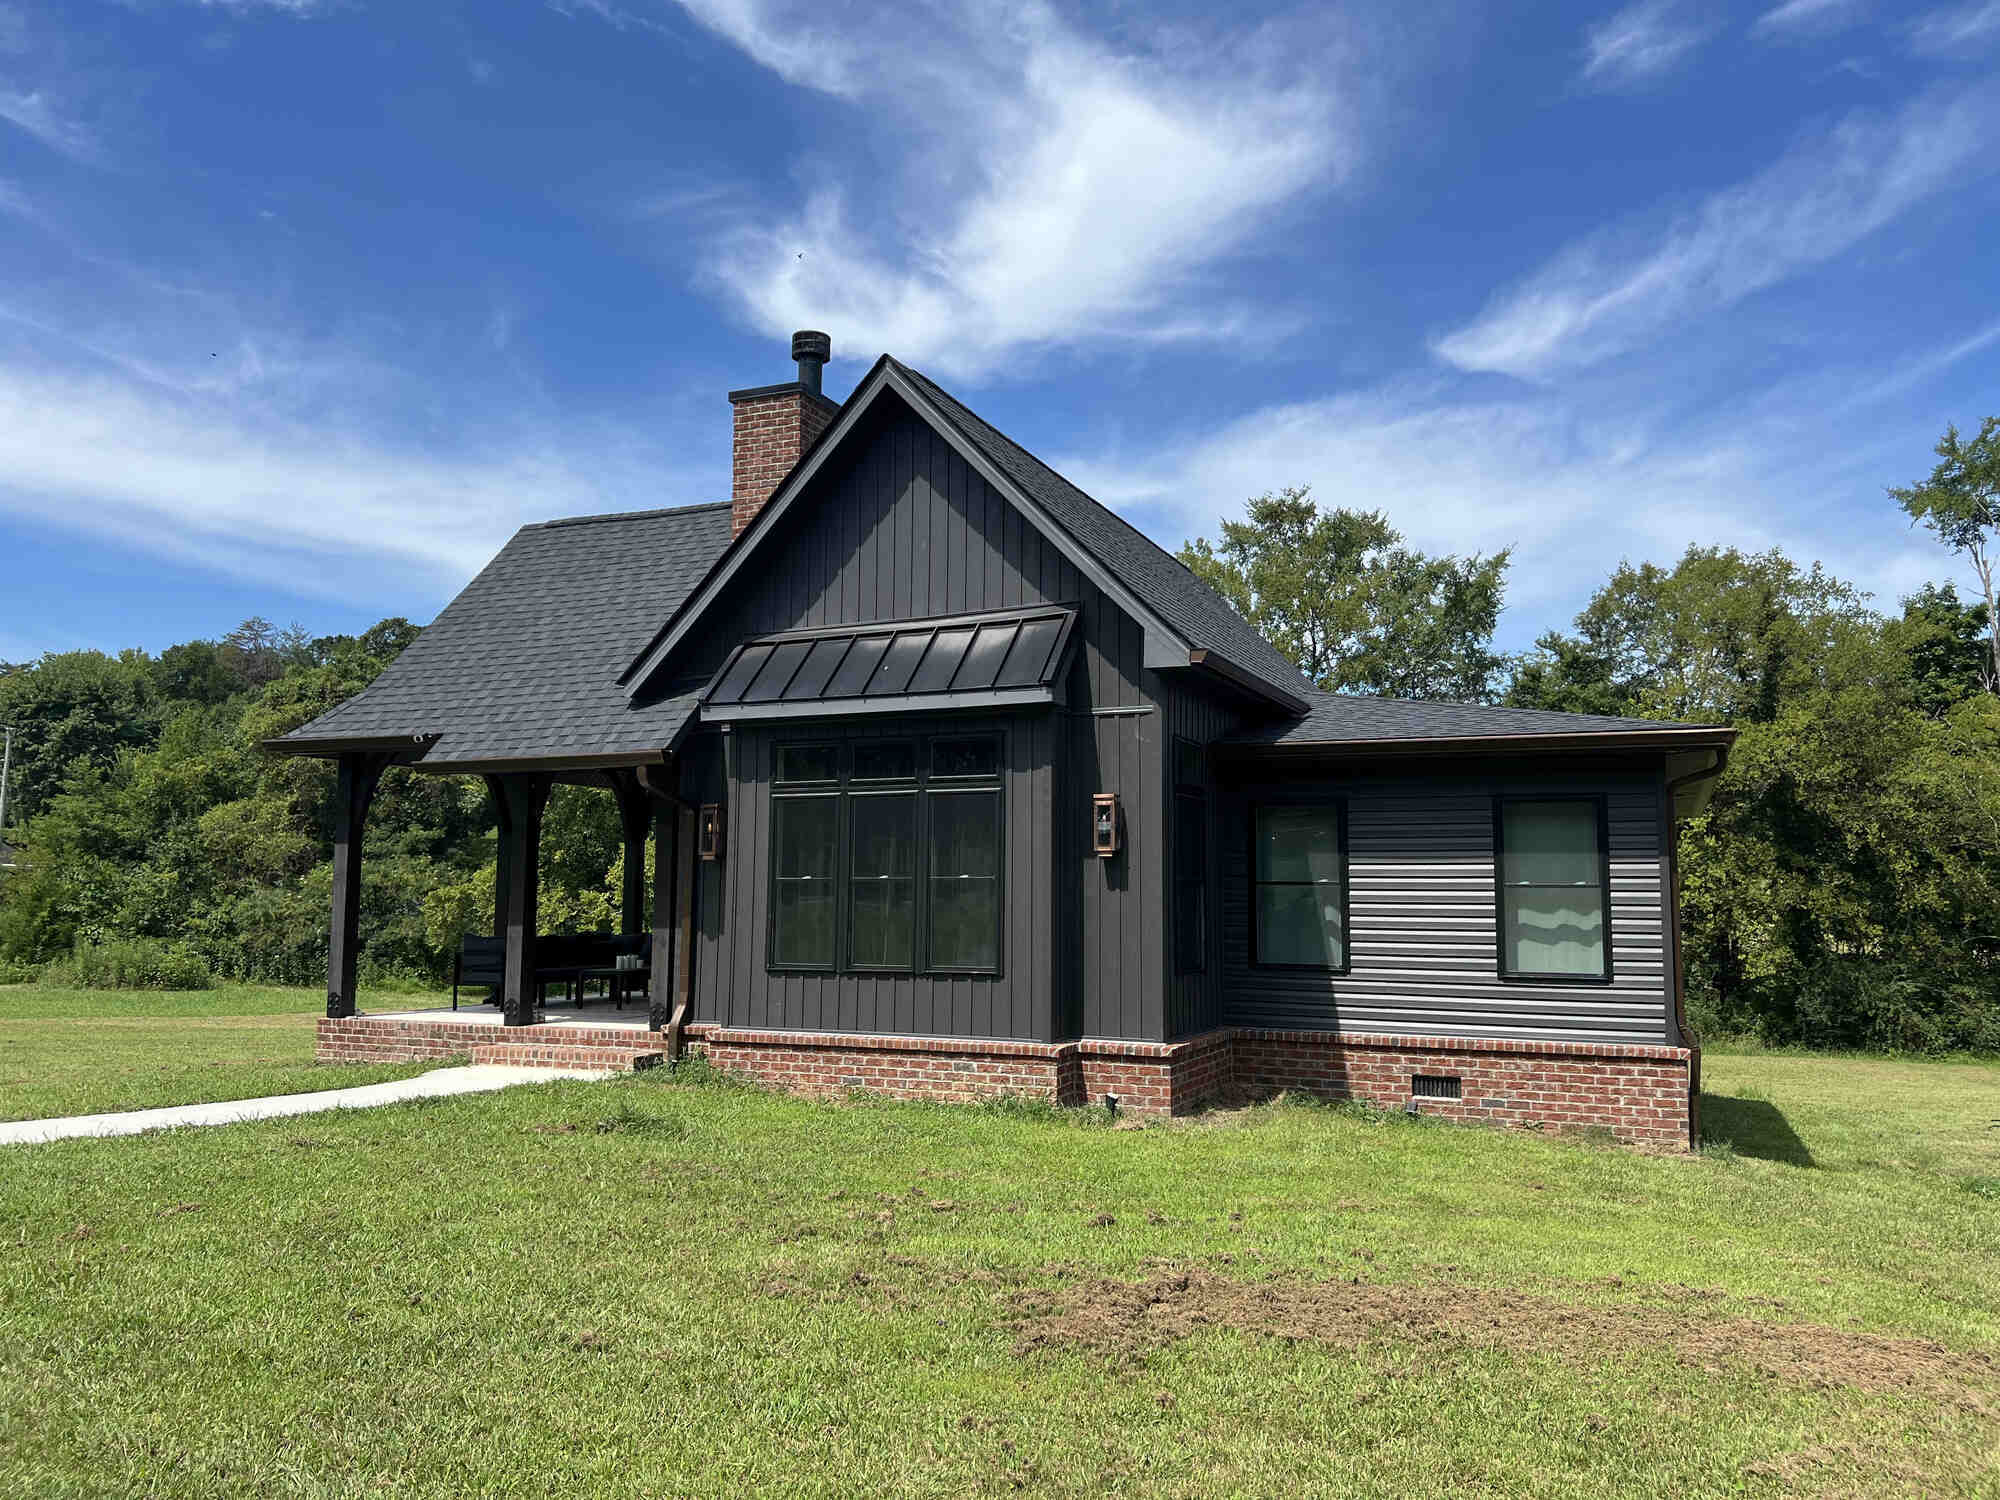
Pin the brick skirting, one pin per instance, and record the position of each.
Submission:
(1640, 1094)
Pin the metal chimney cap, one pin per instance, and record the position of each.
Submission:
(809, 344)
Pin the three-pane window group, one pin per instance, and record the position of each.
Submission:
(885, 855)
(1551, 888)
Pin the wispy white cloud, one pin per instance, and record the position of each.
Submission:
(1575, 482)
(39, 114)
(1798, 19)
(1047, 190)
(1621, 289)
(1641, 44)
(1960, 29)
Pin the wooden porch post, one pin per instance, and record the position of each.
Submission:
(634, 816)
(672, 992)
(500, 848)
(523, 798)
(359, 773)
(684, 887)
(664, 867)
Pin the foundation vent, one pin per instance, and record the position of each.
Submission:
(1434, 1086)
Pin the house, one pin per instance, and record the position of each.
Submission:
(964, 786)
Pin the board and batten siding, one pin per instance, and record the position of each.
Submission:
(901, 527)
(737, 987)
(1423, 922)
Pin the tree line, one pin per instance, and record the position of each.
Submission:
(1842, 889)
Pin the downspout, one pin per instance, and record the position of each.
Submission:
(1693, 778)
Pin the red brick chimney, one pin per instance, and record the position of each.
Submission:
(775, 424)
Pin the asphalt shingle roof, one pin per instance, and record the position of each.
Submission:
(523, 664)
(1337, 718)
(1161, 580)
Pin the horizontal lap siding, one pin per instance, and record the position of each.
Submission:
(1423, 925)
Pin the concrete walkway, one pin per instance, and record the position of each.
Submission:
(440, 1083)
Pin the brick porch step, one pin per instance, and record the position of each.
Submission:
(568, 1055)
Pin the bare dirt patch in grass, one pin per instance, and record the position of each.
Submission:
(1126, 1320)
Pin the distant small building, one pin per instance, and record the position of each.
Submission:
(963, 786)
(9, 855)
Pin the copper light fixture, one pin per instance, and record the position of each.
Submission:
(711, 830)
(1104, 824)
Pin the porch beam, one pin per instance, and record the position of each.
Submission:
(523, 798)
(359, 773)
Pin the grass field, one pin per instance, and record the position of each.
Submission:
(77, 1052)
(670, 1287)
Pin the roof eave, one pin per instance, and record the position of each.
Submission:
(1220, 666)
(332, 746)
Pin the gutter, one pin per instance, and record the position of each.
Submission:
(1695, 778)
(1701, 738)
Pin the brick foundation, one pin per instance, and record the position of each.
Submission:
(1640, 1094)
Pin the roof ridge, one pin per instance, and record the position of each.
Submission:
(626, 515)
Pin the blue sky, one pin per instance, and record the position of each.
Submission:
(306, 304)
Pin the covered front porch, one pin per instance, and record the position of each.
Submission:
(657, 934)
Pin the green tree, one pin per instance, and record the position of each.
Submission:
(1944, 643)
(68, 709)
(1960, 504)
(1722, 635)
(1339, 593)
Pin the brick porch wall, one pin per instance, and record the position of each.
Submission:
(1640, 1094)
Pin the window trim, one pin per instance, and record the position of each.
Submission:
(1339, 806)
(1600, 803)
(844, 791)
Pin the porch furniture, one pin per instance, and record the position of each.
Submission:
(479, 961)
(573, 960)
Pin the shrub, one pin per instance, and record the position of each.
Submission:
(130, 964)
(17, 973)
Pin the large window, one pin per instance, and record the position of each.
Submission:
(804, 837)
(1298, 895)
(1553, 873)
(886, 856)
(1190, 860)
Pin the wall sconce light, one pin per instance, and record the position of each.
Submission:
(711, 830)
(1104, 824)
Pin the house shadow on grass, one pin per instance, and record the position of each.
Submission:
(1752, 1127)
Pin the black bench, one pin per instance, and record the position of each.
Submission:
(567, 958)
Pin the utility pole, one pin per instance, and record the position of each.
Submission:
(6, 765)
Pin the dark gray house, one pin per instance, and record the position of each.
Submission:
(963, 786)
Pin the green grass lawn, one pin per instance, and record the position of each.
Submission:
(75, 1052)
(655, 1287)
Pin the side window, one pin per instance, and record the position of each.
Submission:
(1552, 876)
(1298, 887)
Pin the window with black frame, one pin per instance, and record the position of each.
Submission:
(1298, 888)
(1190, 860)
(886, 855)
(1553, 875)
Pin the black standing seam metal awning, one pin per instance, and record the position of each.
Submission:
(1003, 658)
